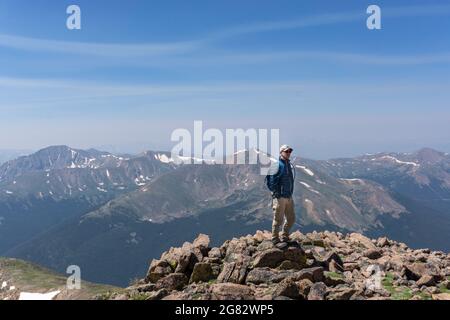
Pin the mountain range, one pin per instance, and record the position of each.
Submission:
(110, 214)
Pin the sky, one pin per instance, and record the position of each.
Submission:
(138, 70)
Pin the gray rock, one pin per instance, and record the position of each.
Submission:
(287, 288)
(373, 254)
(265, 245)
(317, 291)
(315, 274)
(295, 254)
(269, 258)
(266, 275)
(157, 295)
(324, 259)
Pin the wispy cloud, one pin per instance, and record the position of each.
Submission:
(331, 19)
(114, 50)
(96, 49)
(250, 58)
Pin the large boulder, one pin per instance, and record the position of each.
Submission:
(235, 249)
(201, 242)
(296, 255)
(264, 245)
(317, 291)
(334, 240)
(373, 254)
(426, 280)
(326, 258)
(269, 258)
(266, 275)
(215, 253)
(173, 281)
(359, 239)
(315, 274)
(235, 271)
(183, 259)
(186, 262)
(158, 269)
(415, 271)
(202, 272)
(231, 291)
(287, 288)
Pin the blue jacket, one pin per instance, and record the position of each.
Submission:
(281, 184)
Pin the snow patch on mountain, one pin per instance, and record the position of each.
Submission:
(391, 158)
(38, 296)
(309, 187)
(308, 171)
(360, 181)
(163, 158)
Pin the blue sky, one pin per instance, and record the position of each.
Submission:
(137, 70)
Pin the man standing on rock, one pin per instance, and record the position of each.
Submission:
(281, 184)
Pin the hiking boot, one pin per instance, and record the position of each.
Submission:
(281, 245)
(285, 239)
(275, 241)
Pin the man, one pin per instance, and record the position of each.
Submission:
(281, 184)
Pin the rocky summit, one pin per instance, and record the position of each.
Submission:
(314, 266)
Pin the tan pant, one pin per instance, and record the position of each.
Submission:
(282, 207)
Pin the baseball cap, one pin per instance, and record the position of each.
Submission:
(285, 147)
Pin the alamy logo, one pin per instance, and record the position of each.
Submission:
(74, 20)
(374, 20)
(74, 280)
(228, 148)
(373, 283)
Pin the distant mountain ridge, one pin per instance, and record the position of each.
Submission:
(10, 154)
(45, 188)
